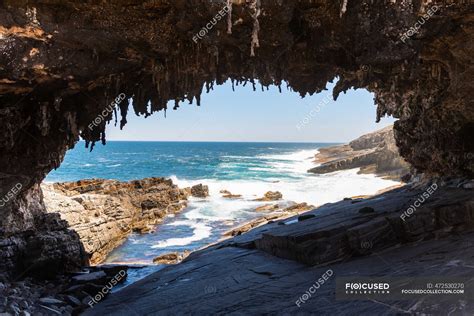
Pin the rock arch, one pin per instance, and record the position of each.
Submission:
(62, 63)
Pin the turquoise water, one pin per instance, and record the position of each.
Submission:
(188, 160)
(249, 169)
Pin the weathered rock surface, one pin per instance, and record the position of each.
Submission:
(372, 153)
(338, 231)
(231, 196)
(64, 295)
(276, 212)
(35, 242)
(105, 212)
(236, 276)
(270, 196)
(171, 258)
(64, 63)
(200, 191)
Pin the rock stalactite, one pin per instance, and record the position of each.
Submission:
(62, 63)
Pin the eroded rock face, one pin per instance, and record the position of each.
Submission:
(65, 66)
(105, 212)
(200, 191)
(372, 153)
(35, 242)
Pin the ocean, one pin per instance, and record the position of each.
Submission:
(249, 169)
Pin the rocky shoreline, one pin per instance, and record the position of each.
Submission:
(277, 262)
(102, 213)
(375, 153)
(105, 212)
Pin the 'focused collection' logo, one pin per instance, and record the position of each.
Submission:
(367, 288)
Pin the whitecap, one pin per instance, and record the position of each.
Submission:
(200, 231)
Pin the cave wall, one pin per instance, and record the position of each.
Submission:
(63, 63)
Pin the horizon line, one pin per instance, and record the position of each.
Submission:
(225, 141)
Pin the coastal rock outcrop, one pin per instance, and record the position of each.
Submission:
(229, 195)
(276, 212)
(276, 263)
(270, 196)
(200, 191)
(171, 258)
(68, 67)
(35, 242)
(372, 153)
(104, 212)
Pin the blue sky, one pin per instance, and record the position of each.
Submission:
(269, 116)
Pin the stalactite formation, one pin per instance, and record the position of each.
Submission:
(229, 16)
(62, 64)
(256, 11)
(343, 8)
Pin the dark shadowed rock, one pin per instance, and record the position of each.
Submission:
(93, 277)
(50, 301)
(305, 217)
(366, 210)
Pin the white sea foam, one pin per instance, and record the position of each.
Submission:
(300, 187)
(200, 231)
(297, 162)
(114, 166)
(314, 189)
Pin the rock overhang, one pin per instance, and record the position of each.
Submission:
(63, 63)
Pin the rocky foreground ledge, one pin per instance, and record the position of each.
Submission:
(402, 232)
(101, 213)
(375, 153)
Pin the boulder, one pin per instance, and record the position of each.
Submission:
(271, 196)
(299, 207)
(232, 196)
(200, 190)
(50, 301)
(93, 277)
(171, 258)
